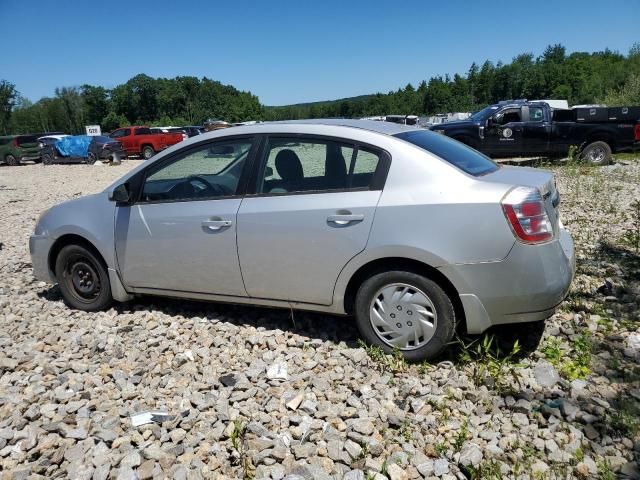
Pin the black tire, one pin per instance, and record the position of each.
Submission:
(148, 152)
(445, 320)
(83, 279)
(47, 159)
(11, 160)
(91, 158)
(596, 153)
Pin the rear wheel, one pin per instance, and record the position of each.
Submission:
(92, 158)
(11, 160)
(148, 152)
(407, 312)
(83, 279)
(47, 159)
(596, 153)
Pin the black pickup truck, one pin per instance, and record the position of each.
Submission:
(521, 128)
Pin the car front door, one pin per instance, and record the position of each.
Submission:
(503, 134)
(311, 212)
(180, 235)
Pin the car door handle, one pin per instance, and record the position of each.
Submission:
(217, 224)
(345, 219)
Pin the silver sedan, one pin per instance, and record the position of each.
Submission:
(412, 233)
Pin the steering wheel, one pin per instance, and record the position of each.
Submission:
(207, 189)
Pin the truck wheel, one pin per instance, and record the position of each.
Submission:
(596, 153)
(47, 159)
(11, 160)
(148, 152)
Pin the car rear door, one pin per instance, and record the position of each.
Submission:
(536, 130)
(311, 212)
(180, 235)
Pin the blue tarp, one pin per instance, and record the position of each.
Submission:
(74, 146)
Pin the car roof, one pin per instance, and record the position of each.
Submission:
(387, 128)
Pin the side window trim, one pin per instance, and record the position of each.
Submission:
(176, 156)
(261, 158)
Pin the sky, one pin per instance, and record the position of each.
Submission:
(291, 51)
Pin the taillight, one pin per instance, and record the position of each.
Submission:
(15, 142)
(527, 216)
(637, 132)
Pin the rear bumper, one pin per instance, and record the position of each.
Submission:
(526, 286)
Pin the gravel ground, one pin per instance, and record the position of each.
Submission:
(70, 381)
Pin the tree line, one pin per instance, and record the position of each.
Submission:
(582, 78)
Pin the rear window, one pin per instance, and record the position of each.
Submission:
(457, 154)
(26, 139)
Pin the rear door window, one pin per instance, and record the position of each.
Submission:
(300, 164)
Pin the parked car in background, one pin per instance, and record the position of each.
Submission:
(410, 231)
(16, 148)
(518, 128)
(82, 149)
(142, 141)
(50, 139)
(193, 130)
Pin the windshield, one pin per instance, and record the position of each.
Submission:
(483, 114)
(457, 154)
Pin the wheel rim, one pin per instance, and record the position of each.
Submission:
(403, 316)
(147, 153)
(82, 278)
(596, 154)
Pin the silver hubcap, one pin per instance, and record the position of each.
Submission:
(403, 316)
(596, 154)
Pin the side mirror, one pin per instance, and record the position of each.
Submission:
(268, 172)
(490, 121)
(120, 194)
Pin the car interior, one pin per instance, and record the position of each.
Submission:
(207, 173)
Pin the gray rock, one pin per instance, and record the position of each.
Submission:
(440, 467)
(470, 455)
(545, 374)
(354, 475)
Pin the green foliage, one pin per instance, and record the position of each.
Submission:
(487, 470)
(628, 94)
(141, 100)
(575, 361)
(580, 77)
(462, 435)
(632, 236)
(8, 97)
(624, 417)
(489, 366)
(392, 363)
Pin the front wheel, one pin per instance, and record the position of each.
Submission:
(11, 160)
(404, 311)
(92, 158)
(148, 152)
(83, 279)
(596, 153)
